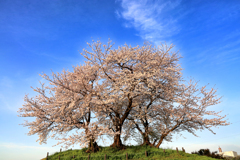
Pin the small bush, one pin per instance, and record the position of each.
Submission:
(206, 152)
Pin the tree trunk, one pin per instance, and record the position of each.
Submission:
(146, 140)
(117, 140)
(161, 140)
(92, 146)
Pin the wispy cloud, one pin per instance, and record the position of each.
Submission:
(222, 51)
(151, 19)
(160, 21)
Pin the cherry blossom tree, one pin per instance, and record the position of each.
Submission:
(142, 119)
(187, 114)
(139, 87)
(70, 108)
(126, 71)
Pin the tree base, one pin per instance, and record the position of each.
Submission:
(94, 148)
(147, 144)
(117, 143)
(118, 146)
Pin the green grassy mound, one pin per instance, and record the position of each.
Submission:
(134, 153)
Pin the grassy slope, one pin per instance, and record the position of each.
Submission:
(134, 153)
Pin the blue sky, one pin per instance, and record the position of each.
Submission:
(37, 36)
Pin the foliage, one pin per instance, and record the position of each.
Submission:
(142, 91)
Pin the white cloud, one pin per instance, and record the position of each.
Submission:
(152, 20)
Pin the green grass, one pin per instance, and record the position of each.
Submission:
(134, 153)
